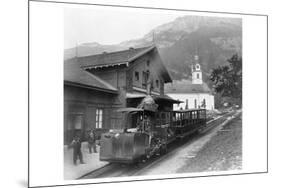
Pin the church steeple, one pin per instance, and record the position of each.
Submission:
(196, 71)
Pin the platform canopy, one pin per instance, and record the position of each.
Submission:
(166, 98)
(128, 110)
(135, 95)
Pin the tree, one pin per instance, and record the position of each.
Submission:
(227, 80)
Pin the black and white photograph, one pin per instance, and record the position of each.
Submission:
(149, 93)
(135, 94)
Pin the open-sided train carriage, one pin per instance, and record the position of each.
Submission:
(186, 122)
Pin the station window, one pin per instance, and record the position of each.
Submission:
(144, 79)
(157, 83)
(137, 76)
(75, 121)
(99, 118)
(148, 63)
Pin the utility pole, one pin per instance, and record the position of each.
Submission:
(76, 50)
(153, 37)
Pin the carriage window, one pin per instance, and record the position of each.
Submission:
(99, 119)
(194, 115)
(202, 114)
(157, 118)
(163, 118)
(174, 116)
(141, 117)
(177, 116)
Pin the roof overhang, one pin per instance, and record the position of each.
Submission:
(166, 99)
(135, 95)
(74, 84)
(126, 63)
(189, 110)
(141, 53)
(129, 110)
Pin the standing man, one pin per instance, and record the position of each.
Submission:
(77, 153)
(92, 142)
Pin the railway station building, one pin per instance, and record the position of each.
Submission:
(96, 86)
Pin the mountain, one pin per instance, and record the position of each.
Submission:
(214, 39)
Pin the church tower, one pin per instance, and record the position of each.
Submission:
(196, 71)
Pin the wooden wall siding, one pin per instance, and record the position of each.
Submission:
(87, 95)
(129, 81)
(116, 77)
(156, 59)
(161, 87)
(140, 66)
(85, 101)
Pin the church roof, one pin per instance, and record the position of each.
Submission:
(186, 86)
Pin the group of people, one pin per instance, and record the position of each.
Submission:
(76, 146)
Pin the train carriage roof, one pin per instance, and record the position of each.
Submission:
(189, 110)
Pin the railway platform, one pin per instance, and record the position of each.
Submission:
(91, 160)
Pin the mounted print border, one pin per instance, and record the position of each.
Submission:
(80, 90)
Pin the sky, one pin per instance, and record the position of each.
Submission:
(111, 25)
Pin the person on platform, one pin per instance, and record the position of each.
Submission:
(92, 142)
(77, 153)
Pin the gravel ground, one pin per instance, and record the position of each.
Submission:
(223, 152)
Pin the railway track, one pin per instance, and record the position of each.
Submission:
(125, 170)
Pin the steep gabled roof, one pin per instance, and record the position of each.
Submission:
(120, 58)
(75, 76)
(113, 58)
